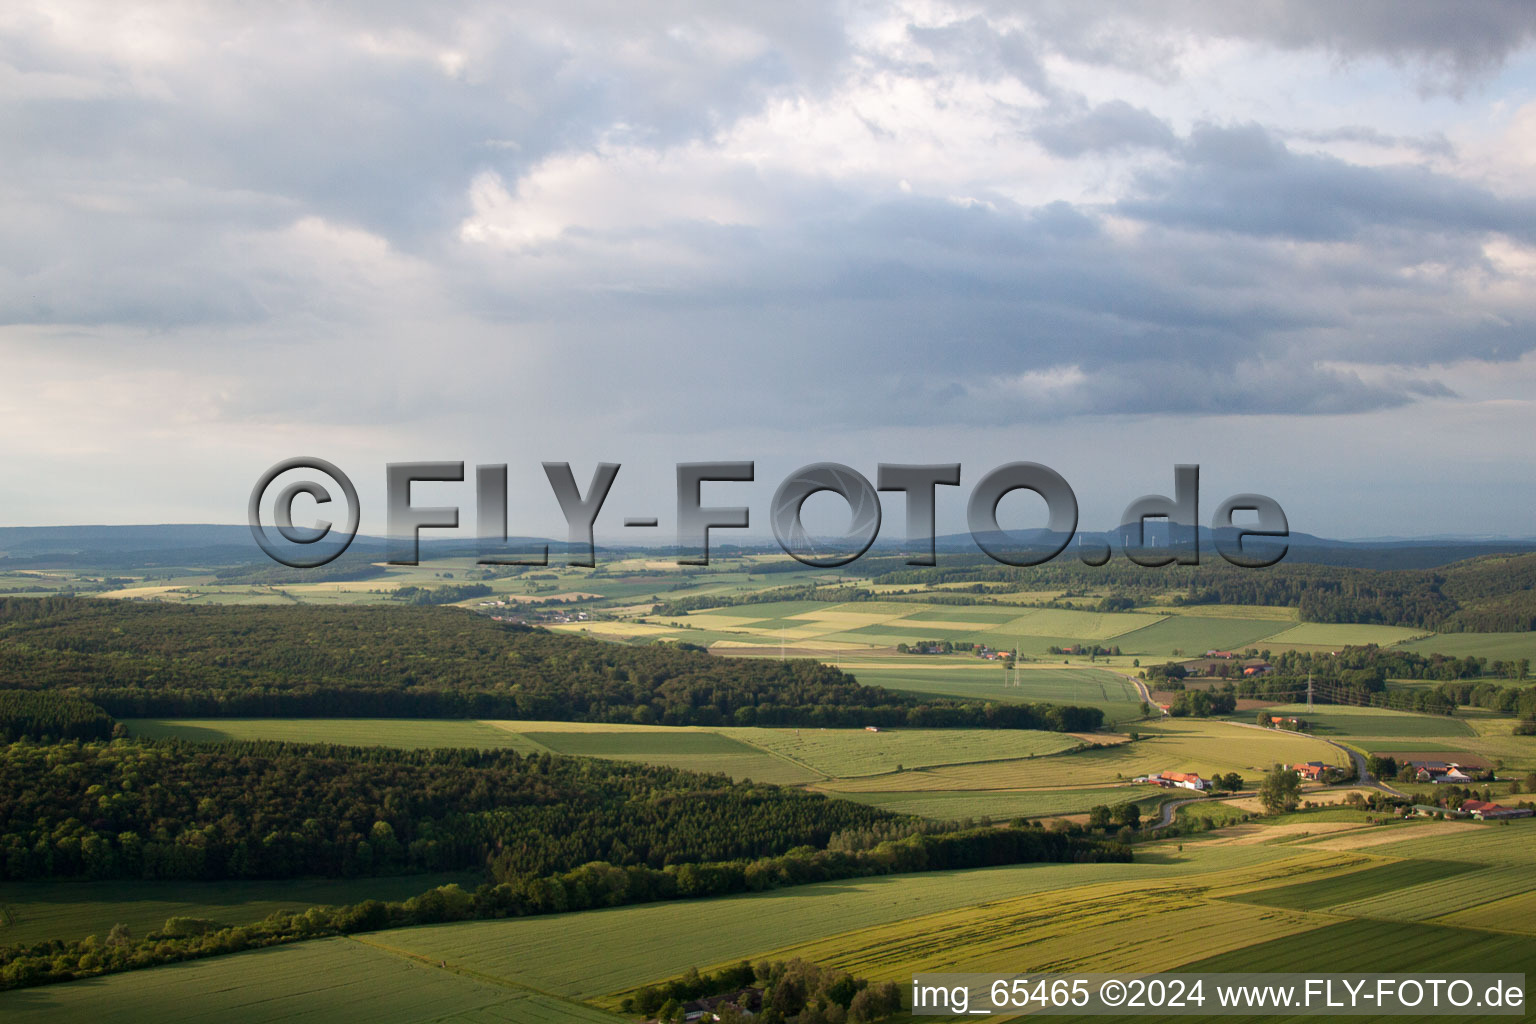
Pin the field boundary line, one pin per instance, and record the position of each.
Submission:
(986, 760)
(467, 972)
(824, 777)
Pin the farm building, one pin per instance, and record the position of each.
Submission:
(1312, 770)
(1258, 670)
(1184, 780)
(1484, 810)
(1277, 721)
(1439, 772)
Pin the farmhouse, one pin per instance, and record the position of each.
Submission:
(1439, 772)
(1277, 721)
(1258, 670)
(1184, 780)
(1312, 771)
(1484, 810)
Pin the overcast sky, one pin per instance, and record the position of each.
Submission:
(1294, 242)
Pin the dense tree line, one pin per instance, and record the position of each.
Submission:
(349, 567)
(771, 992)
(808, 592)
(440, 595)
(1517, 701)
(171, 810)
(1491, 593)
(157, 660)
(591, 885)
(48, 716)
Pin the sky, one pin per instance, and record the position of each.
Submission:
(1292, 242)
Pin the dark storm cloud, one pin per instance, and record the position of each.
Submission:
(1244, 179)
(165, 193)
(1107, 127)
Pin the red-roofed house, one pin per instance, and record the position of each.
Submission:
(1484, 810)
(1312, 770)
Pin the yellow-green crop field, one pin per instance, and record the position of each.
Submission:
(1044, 918)
(1207, 747)
(313, 983)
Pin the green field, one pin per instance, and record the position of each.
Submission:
(1376, 946)
(1208, 747)
(361, 732)
(1490, 844)
(846, 753)
(699, 750)
(593, 953)
(1447, 894)
(37, 911)
(316, 982)
(1192, 635)
(1337, 720)
(1384, 878)
(1493, 646)
(1004, 805)
(964, 678)
(1340, 635)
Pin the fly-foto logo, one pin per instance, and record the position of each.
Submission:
(918, 483)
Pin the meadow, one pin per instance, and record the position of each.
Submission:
(1208, 747)
(405, 733)
(783, 756)
(1384, 878)
(1007, 804)
(1340, 635)
(847, 753)
(320, 981)
(959, 676)
(37, 911)
(1493, 646)
(1337, 720)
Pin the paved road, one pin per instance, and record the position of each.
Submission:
(1363, 778)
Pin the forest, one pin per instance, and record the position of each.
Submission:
(171, 810)
(1487, 594)
(148, 659)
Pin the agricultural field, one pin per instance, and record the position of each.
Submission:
(699, 750)
(1433, 898)
(361, 732)
(1268, 612)
(1007, 804)
(320, 981)
(1207, 747)
(846, 753)
(1192, 635)
(953, 676)
(1492, 844)
(1379, 946)
(1333, 720)
(1493, 646)
(592, 954)
(784, 756)
(879, 624)
(1336, 636)
(37, 911)
(1511, 914)
(1383, 879)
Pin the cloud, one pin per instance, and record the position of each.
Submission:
(792, 221)
(1107, 127)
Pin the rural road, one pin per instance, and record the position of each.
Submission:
(1363, 778)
